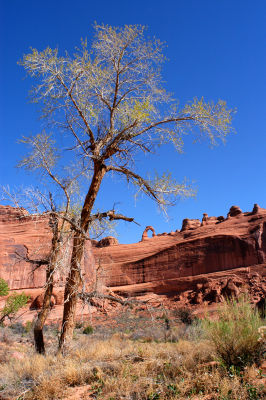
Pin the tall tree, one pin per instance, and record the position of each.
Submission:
(111, 100)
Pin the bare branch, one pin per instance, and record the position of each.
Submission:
(112, 216)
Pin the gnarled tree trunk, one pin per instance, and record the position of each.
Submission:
(74, 277)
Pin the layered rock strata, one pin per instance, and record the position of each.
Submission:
(216, 249)
(203, 262)
(25, 236)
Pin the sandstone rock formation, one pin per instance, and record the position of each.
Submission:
(190, 224)
(234, 211)
(23, 235)
(107, 241)
(203, 263)
(206, 220)
(145, 233)
(216, 253)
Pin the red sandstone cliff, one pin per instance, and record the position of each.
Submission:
(205, 260)
(212, 252)
(21, 236)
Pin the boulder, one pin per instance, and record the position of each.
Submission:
(234, 211)
(190, 224)
(107, 241)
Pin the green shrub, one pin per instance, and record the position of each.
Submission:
(12, 305)
(235, 334)
(4, 289)
(88, 330)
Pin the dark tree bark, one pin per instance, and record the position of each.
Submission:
(74, 277)
(46, 306)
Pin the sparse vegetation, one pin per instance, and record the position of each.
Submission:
(235, 334)
(185, 315)
(130, 361)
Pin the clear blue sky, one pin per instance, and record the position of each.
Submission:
(216, 49)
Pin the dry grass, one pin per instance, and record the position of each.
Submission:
(181, 364)
(120, 368)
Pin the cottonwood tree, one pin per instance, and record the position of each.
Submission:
(109, 102)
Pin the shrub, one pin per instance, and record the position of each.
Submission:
(12, 305)
(235, 334)
(88, 330)
(4, 289)
(184, 314)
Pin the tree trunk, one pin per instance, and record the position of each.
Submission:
(71, 291)
(74, 278)
(42, 315)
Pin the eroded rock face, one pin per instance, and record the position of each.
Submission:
(172, 264)
(23, 235)
(201, 264)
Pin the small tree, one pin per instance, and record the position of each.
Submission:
(111, 101)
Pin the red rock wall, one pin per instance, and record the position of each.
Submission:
(194, 257)
(158, 264)
(31, 236)
(163, 263)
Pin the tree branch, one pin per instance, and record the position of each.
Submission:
(133, 176)
(112, 216)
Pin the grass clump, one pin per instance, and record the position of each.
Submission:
(235, 334)
(88, 330)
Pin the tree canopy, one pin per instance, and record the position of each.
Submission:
(110, 98)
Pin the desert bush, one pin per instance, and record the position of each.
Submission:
(13, 302)
(12, 305)
(88, 330)
(184, 314)
(235, 334)
(79, 324)
(4, 289)
(28, 326)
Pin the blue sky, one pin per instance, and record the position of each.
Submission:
(215, 49)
